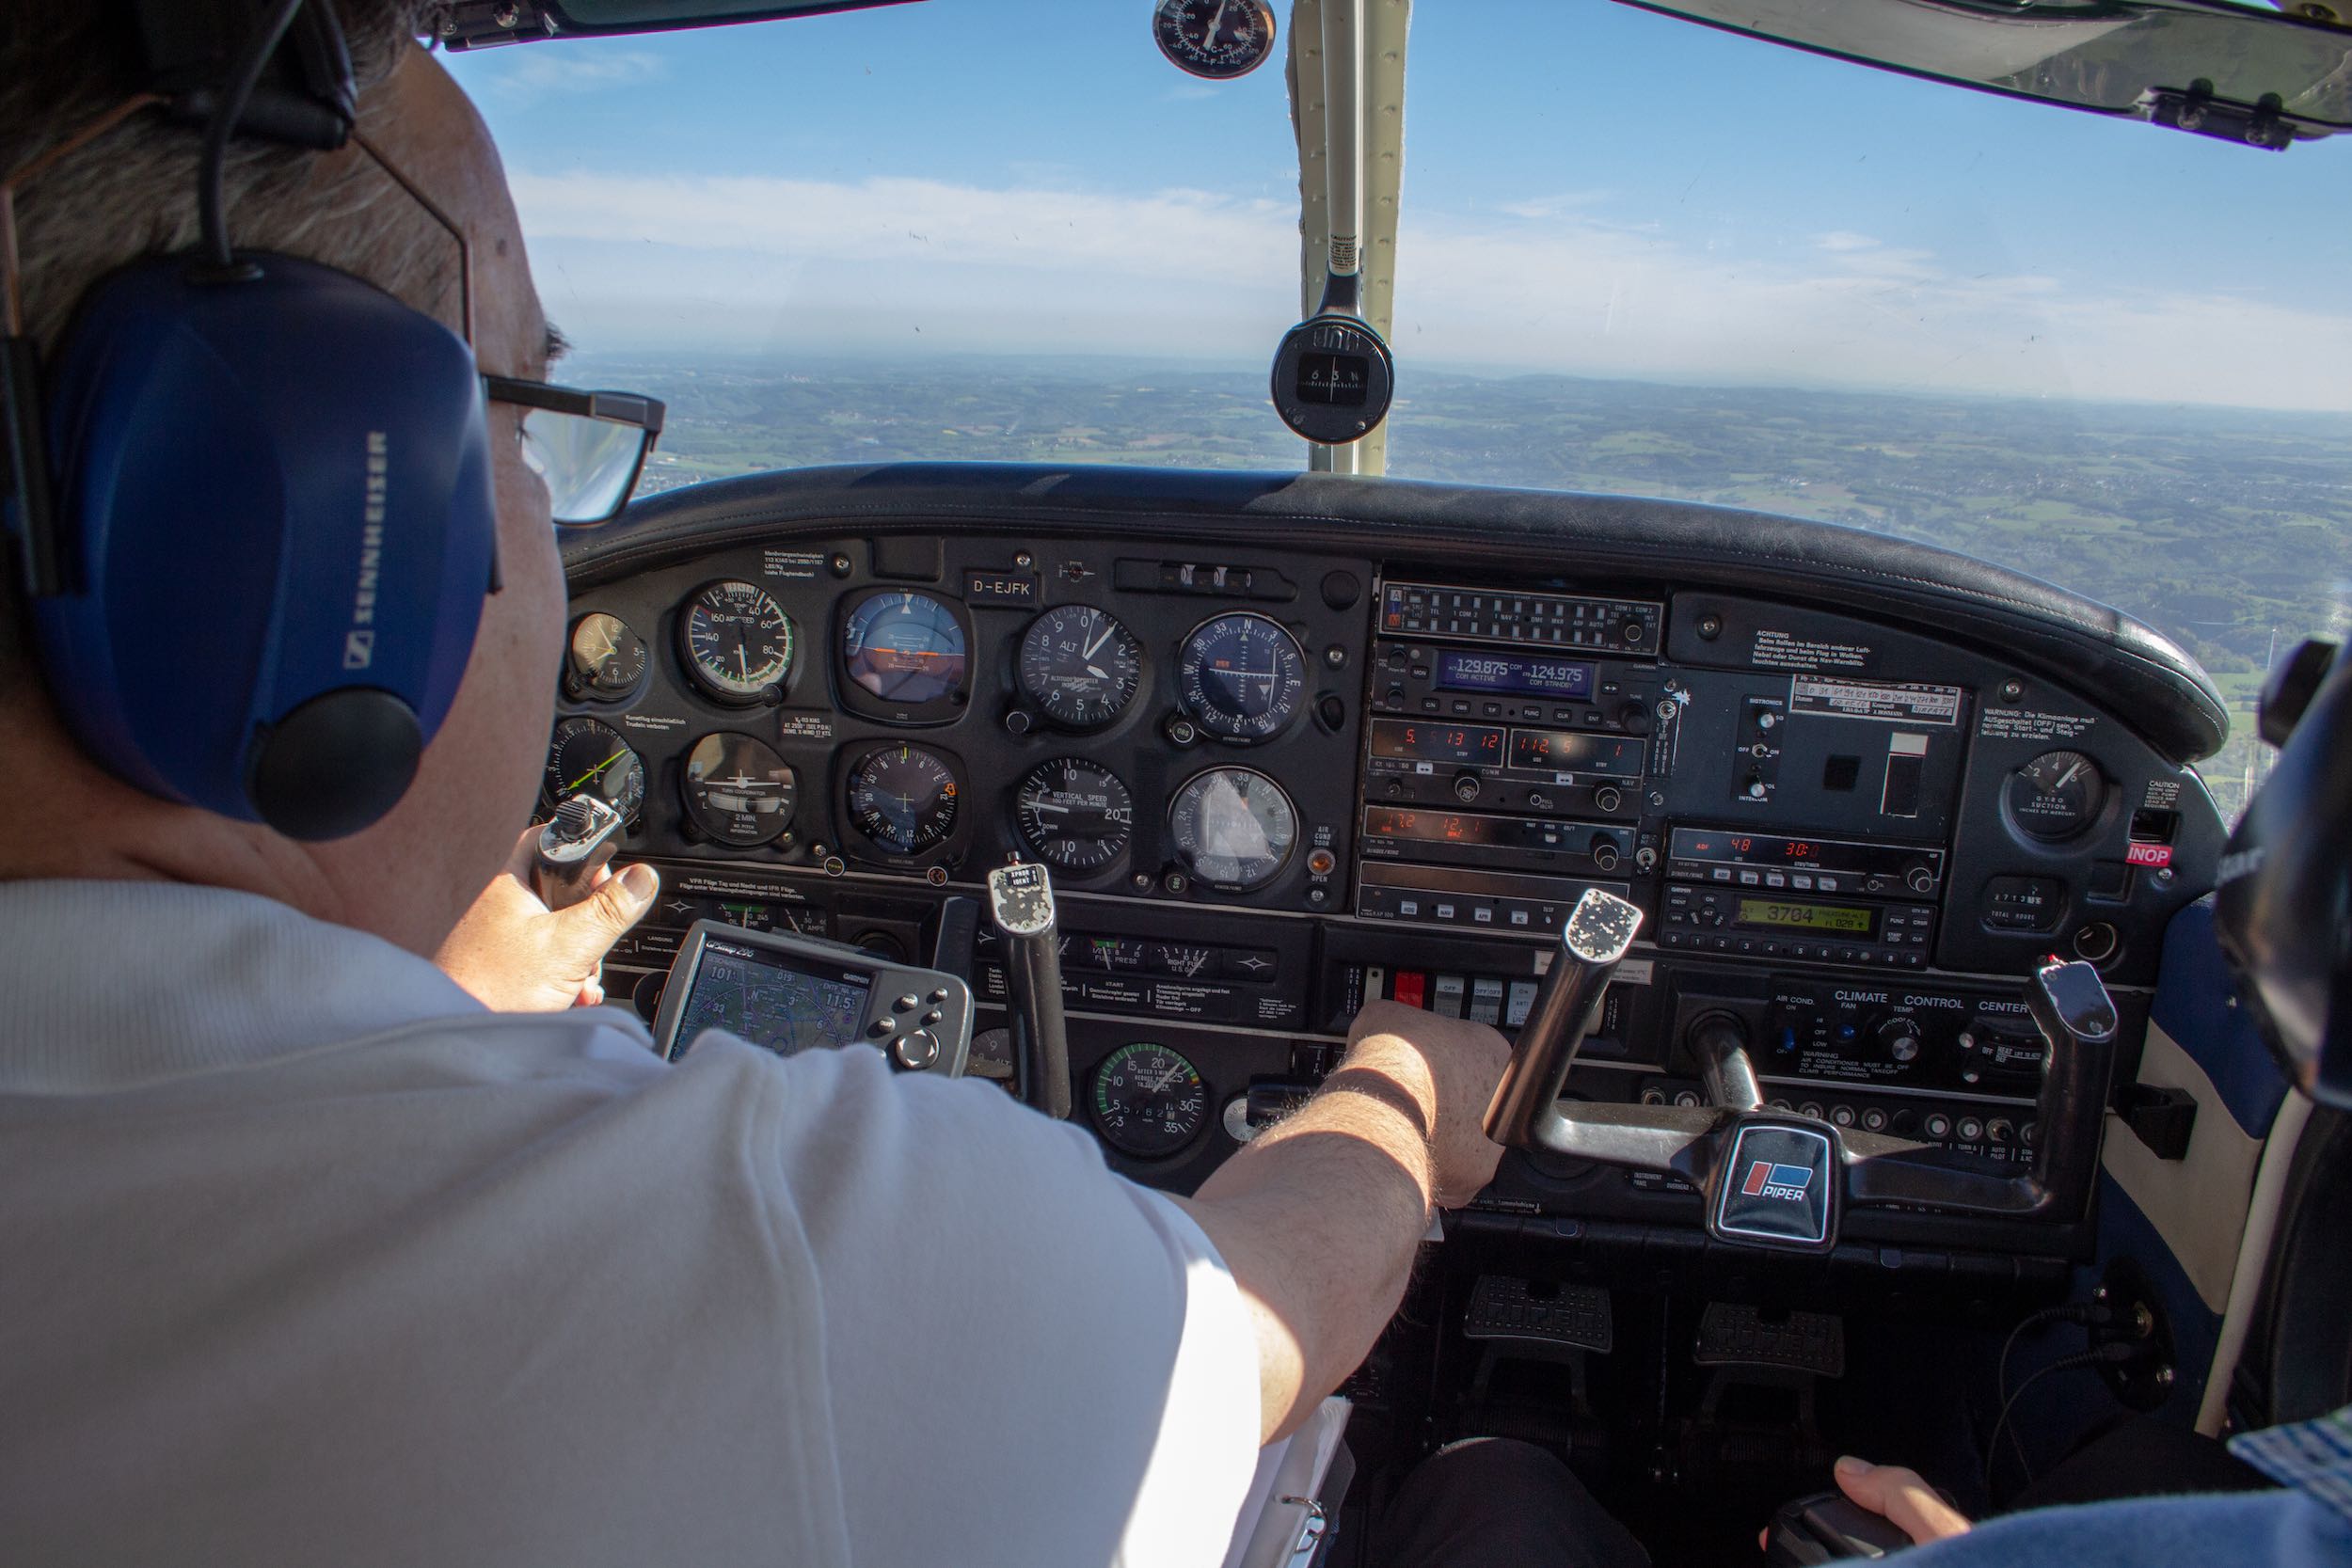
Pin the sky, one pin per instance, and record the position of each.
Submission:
(1588, 189)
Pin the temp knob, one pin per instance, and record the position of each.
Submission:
(1899, 1038)
(1634, 717)
(1921, 877)
(1466, 787)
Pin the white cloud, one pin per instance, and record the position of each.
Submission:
(532, 75)
(750, 263)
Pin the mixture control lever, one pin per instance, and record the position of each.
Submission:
(572, 848)
(1020, 902)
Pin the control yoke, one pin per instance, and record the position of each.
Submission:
(1021, 903)
(1778, 1181)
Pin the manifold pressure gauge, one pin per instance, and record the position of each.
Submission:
(1219, 40)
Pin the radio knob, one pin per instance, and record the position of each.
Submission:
(1607, 799)
(1899, 1038)
(1634, 717)
(1465, 786)
(1921, 877)
(1605, 855)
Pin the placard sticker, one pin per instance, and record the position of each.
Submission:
(1904, 704)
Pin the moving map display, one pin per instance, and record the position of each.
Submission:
(771, 1001)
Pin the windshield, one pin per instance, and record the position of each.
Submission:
(1635, 255)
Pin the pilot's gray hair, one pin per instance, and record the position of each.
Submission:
(131, 193)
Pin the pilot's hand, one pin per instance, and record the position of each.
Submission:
(517, 956)
(1461, 1064)
(1901, 1498)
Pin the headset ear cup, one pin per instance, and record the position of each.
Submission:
(336, 763)
(276, 499)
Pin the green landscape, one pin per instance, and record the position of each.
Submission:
(2228, 529)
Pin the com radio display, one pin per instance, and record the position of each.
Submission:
(1515, 674)
(1476, 745)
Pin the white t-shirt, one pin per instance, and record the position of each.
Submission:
(306, 1259)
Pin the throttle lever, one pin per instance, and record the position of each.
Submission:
(1021, 903)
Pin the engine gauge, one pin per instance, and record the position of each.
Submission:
(1216, 39)
(737, 642)
(2057, 796)
(903, 798)
(604, 658)
(1233, 828)
(738, 790)
(1242, 677)
(1080, 666)
(585, 755)
(1148, 1101)
(907, 651)
(1074, 816)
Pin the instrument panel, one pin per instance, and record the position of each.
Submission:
(1274, 784)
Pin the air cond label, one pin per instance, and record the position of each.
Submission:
(1885, 703)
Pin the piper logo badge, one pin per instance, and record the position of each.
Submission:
(1767, 1180)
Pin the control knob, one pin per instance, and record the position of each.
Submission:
(1634, 717)
(1605, 854)
(1899, 1038)
(1466, 787)
(1920, 877)
(1605, 797)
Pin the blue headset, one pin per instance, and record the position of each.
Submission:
(261, 545)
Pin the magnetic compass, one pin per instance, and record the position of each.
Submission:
(1219, 40)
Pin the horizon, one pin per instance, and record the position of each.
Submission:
(914, 176)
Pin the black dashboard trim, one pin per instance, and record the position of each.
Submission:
(2096, 651)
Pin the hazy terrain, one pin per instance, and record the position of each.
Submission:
(2223, 529)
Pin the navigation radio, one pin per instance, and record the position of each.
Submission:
(1504, 753)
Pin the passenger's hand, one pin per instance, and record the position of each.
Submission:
(1901, 1498)
(517, 956)
(1455, 1065)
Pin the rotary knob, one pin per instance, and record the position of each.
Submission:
(1634, 718)
(1920, 877)
(917, 1051)
(1899, 1038)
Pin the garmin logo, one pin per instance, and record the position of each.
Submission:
(360, 641)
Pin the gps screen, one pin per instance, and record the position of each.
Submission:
(773, 999)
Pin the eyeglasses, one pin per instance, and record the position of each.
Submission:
(588, 447)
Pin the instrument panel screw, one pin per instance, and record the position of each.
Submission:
(1025, 559)
(2012, 690)
(1335, 657)
(1711, 627)
(506, 16)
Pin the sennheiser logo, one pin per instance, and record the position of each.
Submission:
(359, 641)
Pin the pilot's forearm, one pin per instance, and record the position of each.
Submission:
(1319, 1219)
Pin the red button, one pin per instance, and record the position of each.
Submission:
(1412, 988)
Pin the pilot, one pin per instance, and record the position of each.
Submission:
(331, 1231)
